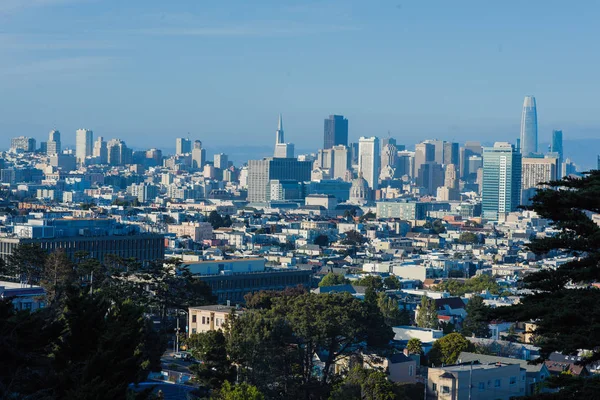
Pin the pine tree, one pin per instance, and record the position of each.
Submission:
(476, 322)
(427, 316)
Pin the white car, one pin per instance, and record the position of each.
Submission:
(182, 356)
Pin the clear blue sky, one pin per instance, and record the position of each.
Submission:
(149, 71)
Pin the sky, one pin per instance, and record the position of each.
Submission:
(148, 71)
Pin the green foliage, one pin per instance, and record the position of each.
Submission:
(447, 349)
(476, 322)
(368, 216)
(468, 238)
(217, 221)
(435, 226)
(391, 282)
(264, 298)
(58, 273)
(215, 367)
(566, 319)
(332, 279)
(242, 391)
(427, 316)
(371, 281)
(392, 314)
(571, 388)
(476, 284)
(414, 346)
(364, 384)
(26, 263)
(354, 238)
(321, 240)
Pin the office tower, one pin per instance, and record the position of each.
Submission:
(23, 143)
(118, 152)
(389, 155)
(84, 142)
(279, 138)
(220, 161)
(535, 172)
(353, 153)
(53, 143)
(335, 131)
(501, 180)
(324, 159)
(424, 152)
(439, 146)
(100, 151)
(282, 149)
(405, 163)
(450, 191)
(470, 149)
(556, 146)
(198, 155)
(475, 162)
(529, 129)
(430, 177)
(183, 146)
(369, 160)
(341, 162)
(451, 154)
(261, 172)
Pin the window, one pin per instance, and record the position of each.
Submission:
(497, 383)
(203, 320)
(481, 386)
(513, 380)
(445, 389)
(434, 387)
(194, 319)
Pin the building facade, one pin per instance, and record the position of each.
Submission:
(369, 160)
(335, 131)
(84, 142)
(529, 127)
(501, 180)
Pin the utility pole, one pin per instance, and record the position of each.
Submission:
(470, 380)
(177, 335)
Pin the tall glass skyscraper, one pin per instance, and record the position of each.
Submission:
(501, 180)
(335, 131)
(369, 160)
(529, 128)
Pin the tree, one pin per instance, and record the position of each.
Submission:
(215, 367)
(215, 219)
(427, 316)
(391, 283)
(242, 391)
(354, 238)
(391, 311)
(467, 238)
(435, 226)
(264, 298)
(476, 322)
(58, 273)
(414, 346)
(332, 279)
(321, 240)
(27, 262)
(365, 384)
(371, 281)
(447, 349)
(557, 309)
(476, 284)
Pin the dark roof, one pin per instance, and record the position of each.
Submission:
(452, 302)
(399, 358)
(341, 288)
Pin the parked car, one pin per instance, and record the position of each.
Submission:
(182, 356)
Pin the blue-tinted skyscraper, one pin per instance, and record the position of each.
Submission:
(556, 146)
(529, 128)
(335, 131)
(501, 180)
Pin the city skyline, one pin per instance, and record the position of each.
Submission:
(252, 54)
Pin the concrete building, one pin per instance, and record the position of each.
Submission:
(501, 192)
(535, 172)
(496, 381)
(208, 318)
(198, 155)
(84, 144)
(100, 151)
(424, 153)
(221, 161)
(53, 145)
(262, 172)
(197, 231)
(369, 160)
(183, 146)
(335, 131)
(118, 152)
(25, 144)
(340, 162)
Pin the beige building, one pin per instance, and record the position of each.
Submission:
(208, 318)
(496, 381)
(198, 231)
(535, 171)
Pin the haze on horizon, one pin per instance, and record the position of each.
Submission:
(149, 71)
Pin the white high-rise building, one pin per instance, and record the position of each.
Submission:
(183, 146)
(84, 142)
(100, 151)
(53, 146)
(341, 161)
(198, 155)
(369, 160)
(534, 172)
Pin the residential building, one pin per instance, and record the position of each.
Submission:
(53, 145)
(198, 155)
(335, 131)
(473, 381)
(100, 151)
(209, 318)
(197, 231)
(535, 172)
(262, 172)
(501, 180)
(25, 144)
(118, 152)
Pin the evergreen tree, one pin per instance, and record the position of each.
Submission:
(332, 279)
(427, 316)
(215, 367)
(447, 349)
(392, 314)
(242, 391)
(476, 322)
(391, 283)
(414, 346)
(567, 318)
(27, 262)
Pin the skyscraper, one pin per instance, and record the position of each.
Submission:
(100, 151)
(470, 149)
(535, 171)
(557, 147)
(84, 142)
(369, 160)
(451, 154)
(262, 172)
(118, 152)
(198, 155)
(341, 162)
(529, 128)
(23, 143)
(335, 131)
(53, 144)
(221, 161)
(424, 152)
(183, 146)
(279, 138)
(501, 180)
(282, 149)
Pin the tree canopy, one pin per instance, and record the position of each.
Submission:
(447, 349)
(567, 318)
(476, 284)
(332, 279)
(476, 322)
(427, 316)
